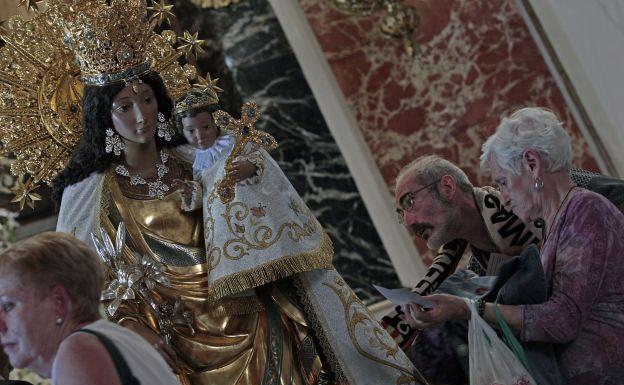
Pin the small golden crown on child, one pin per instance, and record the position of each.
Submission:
(194, 99)
(108, 38)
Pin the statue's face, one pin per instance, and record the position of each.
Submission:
(134, 114)
(200, 130)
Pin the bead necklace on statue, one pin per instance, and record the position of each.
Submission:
(156, 189)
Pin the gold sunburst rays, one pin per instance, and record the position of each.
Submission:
(24, 53)
(31, 128)
(41, 97)
(30, 5)
(17, 112)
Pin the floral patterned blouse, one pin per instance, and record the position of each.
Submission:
(584, 317)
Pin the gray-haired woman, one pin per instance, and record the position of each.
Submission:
(49, 321)
(582, 252)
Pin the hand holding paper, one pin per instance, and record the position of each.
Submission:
(404, 296)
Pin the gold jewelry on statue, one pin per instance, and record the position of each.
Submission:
(109, 41)
(40, 82)
(24, 194)
(30, 5)
(244, 130)
(192, 44)
(161, 12)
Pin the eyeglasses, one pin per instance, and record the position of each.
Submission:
(408, 201)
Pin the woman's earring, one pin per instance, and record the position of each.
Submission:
(59, 321)
(113, 142)
(539, 184)
(164, 127)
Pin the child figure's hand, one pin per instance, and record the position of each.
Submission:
(241, 170)
(185, 188)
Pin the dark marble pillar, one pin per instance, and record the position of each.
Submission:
(249, 48)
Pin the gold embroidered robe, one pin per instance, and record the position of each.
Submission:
(256, 339)
(234, 342)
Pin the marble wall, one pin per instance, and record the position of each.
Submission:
(248, 47)
(586, 42)
(477, 63)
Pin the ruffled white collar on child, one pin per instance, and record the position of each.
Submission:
(221, 148)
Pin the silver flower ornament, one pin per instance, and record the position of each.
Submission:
(121, 288)
(152, 272)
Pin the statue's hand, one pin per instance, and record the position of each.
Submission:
(185, 188)
(241, 170)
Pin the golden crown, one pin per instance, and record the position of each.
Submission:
(204, 93)
(193, 100)
(108, 38)
(40, 86)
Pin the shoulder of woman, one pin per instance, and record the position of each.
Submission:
(586, 199)
(592, 208)
(82, 358)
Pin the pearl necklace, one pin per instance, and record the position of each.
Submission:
(156, 189)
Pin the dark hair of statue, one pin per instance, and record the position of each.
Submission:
(192, 112)
(89, 155)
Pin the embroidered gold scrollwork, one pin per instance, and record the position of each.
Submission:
(356, 315)
(247, 230)
(261, 237)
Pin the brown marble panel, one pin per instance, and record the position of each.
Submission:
(477, 63)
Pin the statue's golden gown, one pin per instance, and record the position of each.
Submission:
(262, 339)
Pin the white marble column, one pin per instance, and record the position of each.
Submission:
(348, 136)
(583, 43)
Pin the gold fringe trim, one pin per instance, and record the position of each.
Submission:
(286, 266)
(228, 307)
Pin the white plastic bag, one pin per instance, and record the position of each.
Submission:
(491, 361)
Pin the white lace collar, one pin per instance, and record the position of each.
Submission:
(204, 159)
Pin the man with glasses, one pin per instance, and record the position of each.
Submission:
(436, 202)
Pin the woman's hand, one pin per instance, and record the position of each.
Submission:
(446, 307)
(241, 170)
(157, 343)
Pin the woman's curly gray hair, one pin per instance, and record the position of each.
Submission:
(532, 128)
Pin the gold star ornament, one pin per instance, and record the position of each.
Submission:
(192, 44)
(161, 12)
(208, 85)
(24, 194)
